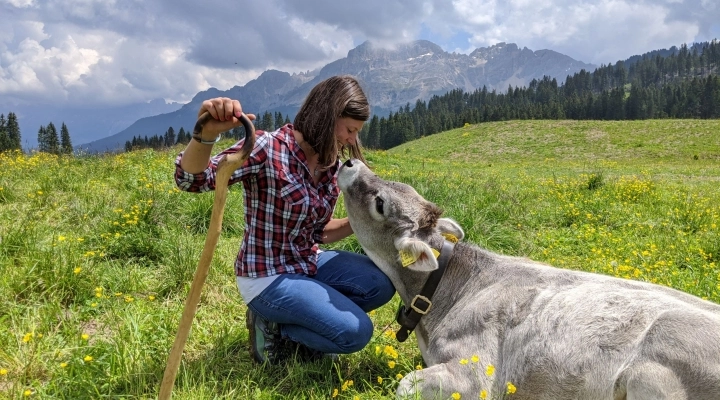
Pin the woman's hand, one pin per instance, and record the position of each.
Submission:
(225, 114)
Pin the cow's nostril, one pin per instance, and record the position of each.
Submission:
(348, 163)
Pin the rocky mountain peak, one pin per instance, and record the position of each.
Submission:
(369, 52)
(392, 78)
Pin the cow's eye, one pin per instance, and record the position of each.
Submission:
(379, 205)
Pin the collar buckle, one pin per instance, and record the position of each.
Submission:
(424, 302)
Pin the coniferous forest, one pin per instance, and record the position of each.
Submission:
(677, 83)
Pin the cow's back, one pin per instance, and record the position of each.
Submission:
(574, 333)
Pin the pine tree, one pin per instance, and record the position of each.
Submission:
(65, 142)
(4, 138)
(53, 141)
(181, 137)
(278, 120)
(42, 139)
(267, 123)
(169, 138)
(13, 132)
(372, 139)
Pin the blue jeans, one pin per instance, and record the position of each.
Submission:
(327, 311)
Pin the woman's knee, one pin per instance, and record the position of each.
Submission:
(379, 294)
(355, 338)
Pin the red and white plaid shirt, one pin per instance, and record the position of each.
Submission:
(285, 213)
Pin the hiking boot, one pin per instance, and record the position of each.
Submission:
(264, 337)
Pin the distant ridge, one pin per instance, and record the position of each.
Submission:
(392, 78)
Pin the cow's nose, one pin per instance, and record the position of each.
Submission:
(348, 163)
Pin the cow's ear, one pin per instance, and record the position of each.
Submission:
(416, 255)
(448, 227)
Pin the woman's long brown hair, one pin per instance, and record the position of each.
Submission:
(335, 97)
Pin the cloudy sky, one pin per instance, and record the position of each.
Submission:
(116, 52)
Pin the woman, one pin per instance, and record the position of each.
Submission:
(298, 296)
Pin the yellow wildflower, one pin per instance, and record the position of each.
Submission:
(391, 364)
(475, 358)
(390, 352)
(27, 393)
(88, 358)
(463, 361)
(3, 371)
(379, 379)
(63, 365)
(85, 336)
(77, 270)
(483, 394)
(511, 388)
(151, 298)
(418, 367)
(335, 393)
(456, 396)
(490, 370)
(399, 376)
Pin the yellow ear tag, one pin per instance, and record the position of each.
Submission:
(450, 237)
(406, 257)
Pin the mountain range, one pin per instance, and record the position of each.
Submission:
(391, 78)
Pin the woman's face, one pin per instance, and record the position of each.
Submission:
(347, 130)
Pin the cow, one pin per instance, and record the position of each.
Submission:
(548, 333)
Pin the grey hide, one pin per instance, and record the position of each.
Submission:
(553, 333)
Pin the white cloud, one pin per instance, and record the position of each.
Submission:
(591, 31)
(480, 13)
(333, 43)
(117, 52)
(20, 3)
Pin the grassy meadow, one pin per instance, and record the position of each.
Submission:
(97, 253)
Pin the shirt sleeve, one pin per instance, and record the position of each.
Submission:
(205, 181)
(318, 233)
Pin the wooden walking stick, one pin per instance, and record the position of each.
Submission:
(227, 165)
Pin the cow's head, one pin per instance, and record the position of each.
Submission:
(396, 226)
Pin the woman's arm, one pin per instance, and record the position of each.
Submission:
(336, 229)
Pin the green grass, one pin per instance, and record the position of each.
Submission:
(97, 253)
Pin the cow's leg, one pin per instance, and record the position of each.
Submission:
(438, 382)
(649, 381)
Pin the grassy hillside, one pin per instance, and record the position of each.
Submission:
(656, 140)
(97, 253)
